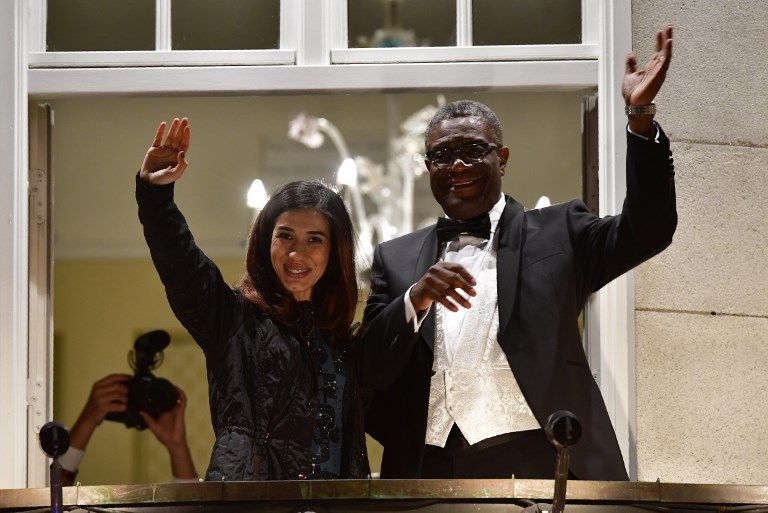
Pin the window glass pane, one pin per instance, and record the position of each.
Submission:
(100, 25)
(393, 23)
(526, 22)
(225, 24)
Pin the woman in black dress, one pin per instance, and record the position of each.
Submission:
(282, 384)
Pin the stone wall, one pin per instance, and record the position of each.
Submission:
(702, 306)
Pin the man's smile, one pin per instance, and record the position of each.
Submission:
(462, 183)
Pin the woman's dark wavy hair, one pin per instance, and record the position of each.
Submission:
(334, 296)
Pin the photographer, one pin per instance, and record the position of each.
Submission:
(110, 394)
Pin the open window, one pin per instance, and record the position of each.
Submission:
(327, 49)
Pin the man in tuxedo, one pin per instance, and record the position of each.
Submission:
(471, 336)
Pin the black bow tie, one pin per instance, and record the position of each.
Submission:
(448, 229)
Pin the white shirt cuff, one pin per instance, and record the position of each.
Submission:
(410, 312)
(71, 459)
(655, 138)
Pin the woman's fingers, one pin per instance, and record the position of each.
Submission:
(158, 140)
(176, 136)
(174, 130)
(186, 135)
(182, 164)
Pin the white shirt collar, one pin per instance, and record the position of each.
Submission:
(496, 211)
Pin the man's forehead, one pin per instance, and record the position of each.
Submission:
(463, 128)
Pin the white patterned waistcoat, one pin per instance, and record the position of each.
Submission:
(475, 387)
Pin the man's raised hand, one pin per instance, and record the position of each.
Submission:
(641, 85)
(166, 160)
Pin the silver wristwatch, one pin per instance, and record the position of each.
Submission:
(640, 110)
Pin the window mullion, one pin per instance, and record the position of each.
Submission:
(37, 11)
(311, 25)
(290, 14)
(590, 21)
(463, 22)
(338, 24)
(163, 41)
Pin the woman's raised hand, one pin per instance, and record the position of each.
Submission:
(166, 159)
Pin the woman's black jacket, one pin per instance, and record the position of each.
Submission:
(260, 379)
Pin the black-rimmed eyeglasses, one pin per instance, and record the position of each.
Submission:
(469, 154)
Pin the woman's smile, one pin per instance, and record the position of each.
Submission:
(300, 250)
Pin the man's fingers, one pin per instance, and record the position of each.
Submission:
(458, 298)
(666, 34)
(454, 273)
(667, 51)
(453, 301)
(463, 272)
(458, 279)
(440, 291)
(159, 135)
(631, 63)
(659, 40)
(439, 297)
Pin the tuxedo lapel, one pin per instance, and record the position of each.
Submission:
(509, 251)
(427, 258)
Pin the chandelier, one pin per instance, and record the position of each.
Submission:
(379, 196)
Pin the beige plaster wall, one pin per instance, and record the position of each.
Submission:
(702, 306)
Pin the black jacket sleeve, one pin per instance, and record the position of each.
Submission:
(199, 297)
(610, 246)
(387, 341)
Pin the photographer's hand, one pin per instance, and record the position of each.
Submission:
(170, 430)
(107, 395)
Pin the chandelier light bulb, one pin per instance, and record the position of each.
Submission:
(347, 173)
(257, 195)
(543, 202)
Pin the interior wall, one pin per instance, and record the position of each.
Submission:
(99, 145)
(702, 306)
(100, 309)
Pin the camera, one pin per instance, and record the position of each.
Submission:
(146, 392)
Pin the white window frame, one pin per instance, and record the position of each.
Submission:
(163, 55)
(465, 50)
(598, 62)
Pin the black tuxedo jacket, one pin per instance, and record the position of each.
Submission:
(549, 261)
